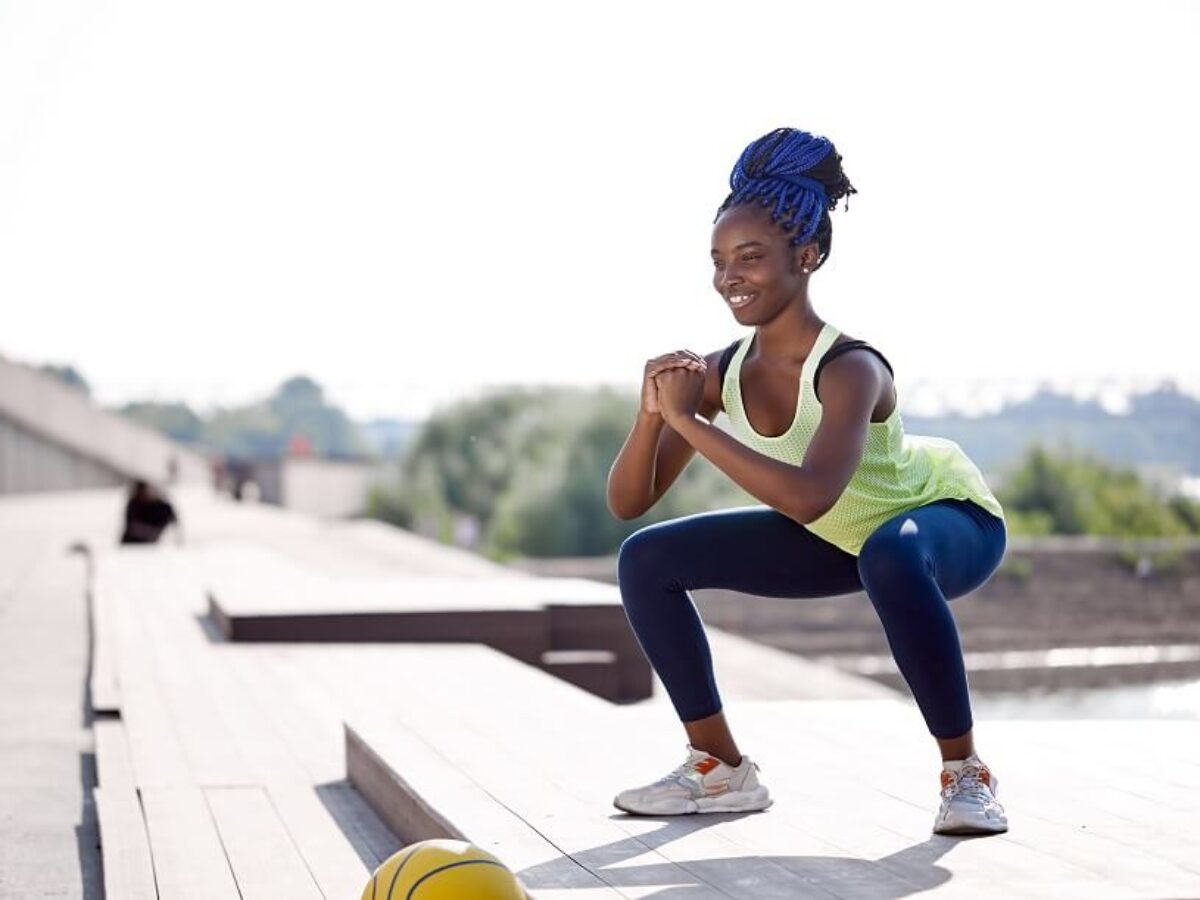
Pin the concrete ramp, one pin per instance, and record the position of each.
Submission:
(55, 438)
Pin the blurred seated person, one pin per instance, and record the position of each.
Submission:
(147, 515)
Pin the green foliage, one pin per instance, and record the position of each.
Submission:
(532, 467)
(299, 407)
(175, 420)
(1144, 563)
(263, 430)
(68, 375)
(1066, 493)
(1018, 567)
(247, 432)
(298, 393)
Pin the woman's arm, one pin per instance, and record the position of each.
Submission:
(654, 454)
(850, 389)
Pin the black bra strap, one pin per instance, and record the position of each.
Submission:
(726, 359)
(834, 352)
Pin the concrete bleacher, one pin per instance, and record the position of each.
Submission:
(569, 627)
(244, 769)
(234, 799)
(852, 783)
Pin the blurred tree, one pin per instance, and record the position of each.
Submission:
(299, 406)
(1062, 492)
(247, 432)
(68, 375)
(298, 394)
(175, 420)
(532, 468)
(297, 414)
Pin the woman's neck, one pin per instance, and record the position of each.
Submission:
(789, 337)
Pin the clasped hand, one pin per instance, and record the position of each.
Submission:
(673, 384)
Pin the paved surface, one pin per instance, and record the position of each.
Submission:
(48, 836)
(243, 745)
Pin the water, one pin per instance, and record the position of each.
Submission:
(1159, 700)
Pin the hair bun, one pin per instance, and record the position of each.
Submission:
(783, 152)
(798, 176)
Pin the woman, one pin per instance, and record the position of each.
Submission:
(851, 503)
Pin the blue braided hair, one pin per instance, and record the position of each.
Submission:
(800, 176)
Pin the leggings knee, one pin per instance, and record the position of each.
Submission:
(641, 557)
(890, 559)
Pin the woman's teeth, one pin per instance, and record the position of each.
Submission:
(740, 300)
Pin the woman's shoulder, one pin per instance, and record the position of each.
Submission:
(848, 345)
(858, 358)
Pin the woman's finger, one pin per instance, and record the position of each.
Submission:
(673, 362)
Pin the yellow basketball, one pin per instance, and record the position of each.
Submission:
(442, 870)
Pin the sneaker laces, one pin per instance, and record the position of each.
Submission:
(677, 773)
(968, 783)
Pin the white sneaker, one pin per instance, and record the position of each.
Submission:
(969, 803)
(703, 784)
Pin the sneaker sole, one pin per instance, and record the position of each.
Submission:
(739, 801)
(964, 828)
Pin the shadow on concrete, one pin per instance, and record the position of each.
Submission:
(211, 630)
(371, 839)
(87, 833)
(87, 712)
(901, 874)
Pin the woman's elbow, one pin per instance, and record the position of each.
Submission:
(618, 513)
(809, 509)
(622, 510)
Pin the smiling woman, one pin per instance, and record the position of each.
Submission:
(851, 502)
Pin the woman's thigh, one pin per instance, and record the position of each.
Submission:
(755, 550)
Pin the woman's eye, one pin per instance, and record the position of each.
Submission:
(750, 257)
(718, 265)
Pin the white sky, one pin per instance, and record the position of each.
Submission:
(408, 201)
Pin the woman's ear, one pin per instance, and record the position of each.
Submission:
(805, 257)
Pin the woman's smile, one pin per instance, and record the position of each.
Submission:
(738, 299)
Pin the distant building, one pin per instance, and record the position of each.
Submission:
(329, 488)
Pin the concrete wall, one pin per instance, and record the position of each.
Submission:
(28, 463)
(53, 437)
(324, 488)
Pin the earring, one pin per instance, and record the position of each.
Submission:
(804, 270)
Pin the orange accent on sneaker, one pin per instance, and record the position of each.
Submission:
(706, 765)
(948, 778)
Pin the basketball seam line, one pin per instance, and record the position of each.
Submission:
(430, 874)
(396, 874)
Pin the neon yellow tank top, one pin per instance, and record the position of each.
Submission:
(898, 472)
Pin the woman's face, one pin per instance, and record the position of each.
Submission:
(755, 269)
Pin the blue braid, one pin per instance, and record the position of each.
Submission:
(769, 172)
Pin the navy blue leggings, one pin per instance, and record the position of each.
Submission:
(909, 567)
